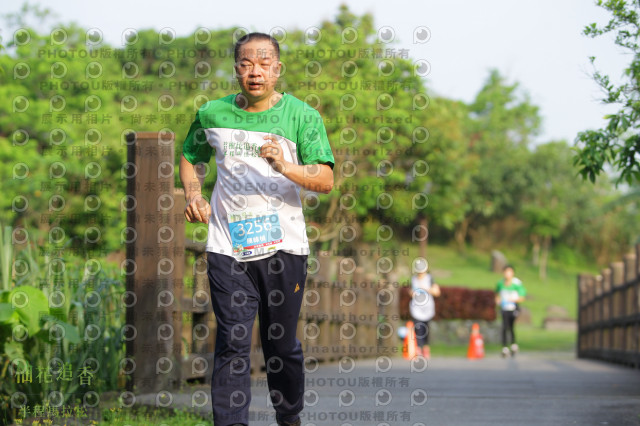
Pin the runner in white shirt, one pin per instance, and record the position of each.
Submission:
(267, 146)
(422, 306)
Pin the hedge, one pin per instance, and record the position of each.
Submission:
(456, 303)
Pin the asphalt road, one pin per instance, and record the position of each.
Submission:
(540, 389)
(531, 389)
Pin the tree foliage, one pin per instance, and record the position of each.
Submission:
(618, 143)
(403, 152)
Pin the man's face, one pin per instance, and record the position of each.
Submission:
(508, 273)
(257, 69)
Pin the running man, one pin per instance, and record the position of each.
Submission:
(267, 146)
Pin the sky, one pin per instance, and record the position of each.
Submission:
(537, 44)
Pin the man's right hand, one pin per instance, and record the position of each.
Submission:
(197, 210)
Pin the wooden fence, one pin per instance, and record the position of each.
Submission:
(609, 312)
(170, 331)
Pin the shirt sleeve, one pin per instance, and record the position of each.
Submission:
(196, 148)
(522, 291)
(313, 144)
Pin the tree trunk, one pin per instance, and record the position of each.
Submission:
(423, 241)
(333, 247)
(460, 234)
(604, 245)
(545, 256)
(535, 239)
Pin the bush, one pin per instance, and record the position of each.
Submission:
(60, 320)
(456, 303)
(465, 303)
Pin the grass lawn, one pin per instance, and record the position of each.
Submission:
(151, 416)
(136, 416)
(530, 339)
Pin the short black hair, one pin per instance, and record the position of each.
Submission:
(508, 266)
(258, 37)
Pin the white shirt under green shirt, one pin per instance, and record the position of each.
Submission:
(510, 293)
(262, 205)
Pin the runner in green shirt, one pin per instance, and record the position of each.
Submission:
(509, 292)
(267, 146)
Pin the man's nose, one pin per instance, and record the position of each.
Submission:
(255, 71)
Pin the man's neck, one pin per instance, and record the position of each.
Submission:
(262, 104)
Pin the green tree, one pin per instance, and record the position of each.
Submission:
(502, 123)
(451, 165)
(548, 200)
(617, 144)
(403, 154)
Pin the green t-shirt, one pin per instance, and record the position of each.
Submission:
(510, 293)
(256, 210)
(290, 117)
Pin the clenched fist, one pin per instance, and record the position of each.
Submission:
(197, 209)
(272, 152)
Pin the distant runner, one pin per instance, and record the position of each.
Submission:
(422, 306)
(509, 292)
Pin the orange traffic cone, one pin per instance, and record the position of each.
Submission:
(410, 347)
(476, 344)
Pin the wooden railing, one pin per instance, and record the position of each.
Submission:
(170, 332)
(609, 313)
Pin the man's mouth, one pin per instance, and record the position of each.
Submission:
(255, 85)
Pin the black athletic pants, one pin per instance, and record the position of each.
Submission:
(271, 288)
(422, 332)
(508, 317)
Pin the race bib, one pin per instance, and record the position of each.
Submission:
(507, 298)
(254, 233)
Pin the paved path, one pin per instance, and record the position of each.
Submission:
(542, 389)
(532, 389)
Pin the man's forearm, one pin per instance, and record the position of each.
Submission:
(313, 177)
(191, 180)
